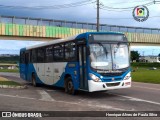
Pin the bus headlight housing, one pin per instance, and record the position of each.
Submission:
(94, 77)
(127, 76)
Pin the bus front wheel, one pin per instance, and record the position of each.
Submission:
(69, 87)
(34, 80)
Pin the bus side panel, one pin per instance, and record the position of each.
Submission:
(49, 74)
(22, 71)
(72, 68)
(31, 69)
(40, 70)
(58, 73)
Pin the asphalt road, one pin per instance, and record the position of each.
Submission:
(140, 97)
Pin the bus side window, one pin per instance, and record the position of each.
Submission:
(40, 55)
(59, 52)
(22, 57)
(49, 54)
(70, 51)
(27, 57)
(34, 56)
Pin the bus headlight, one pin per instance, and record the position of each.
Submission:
(94, 77)
(127, 76)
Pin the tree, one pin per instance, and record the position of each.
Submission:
(159, 56)
(135, 55)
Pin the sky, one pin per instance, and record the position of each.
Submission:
(84, 13)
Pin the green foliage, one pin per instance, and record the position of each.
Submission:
(138, 64)
(11, 59)
(135, 55)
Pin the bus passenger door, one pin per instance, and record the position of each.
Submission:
(82, 65)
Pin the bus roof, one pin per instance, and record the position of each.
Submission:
(79, 36)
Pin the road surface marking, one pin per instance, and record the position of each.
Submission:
(136, 99)
(94, 105)
(45, 96)
(146, 87)
(17, 96)
(51, 90)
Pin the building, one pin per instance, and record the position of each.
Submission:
(150, 59)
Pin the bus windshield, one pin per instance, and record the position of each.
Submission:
(105, 56)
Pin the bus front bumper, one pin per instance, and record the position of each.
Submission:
(102, 86)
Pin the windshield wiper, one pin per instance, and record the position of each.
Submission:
(105, 50)
(117, 47)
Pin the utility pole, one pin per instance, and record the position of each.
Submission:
(97, 15)
(143, 53)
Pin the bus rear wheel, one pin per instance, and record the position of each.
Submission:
(34, 80)
(69, 87)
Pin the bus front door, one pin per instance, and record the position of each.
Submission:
(82, 65)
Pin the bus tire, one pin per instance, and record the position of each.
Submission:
(34, 80)
(69, 87)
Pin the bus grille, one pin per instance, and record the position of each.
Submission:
(112, 84)
(115, 74)
(111, 74)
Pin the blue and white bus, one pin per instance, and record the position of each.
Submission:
(92, 61)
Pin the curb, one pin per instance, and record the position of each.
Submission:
(13, 86)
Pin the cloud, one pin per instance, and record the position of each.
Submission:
(86, 13)
(9, 46)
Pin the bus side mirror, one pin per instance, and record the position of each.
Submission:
(88, 51)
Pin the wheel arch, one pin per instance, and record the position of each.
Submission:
(66, 76)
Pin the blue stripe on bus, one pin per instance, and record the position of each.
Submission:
(59, 83)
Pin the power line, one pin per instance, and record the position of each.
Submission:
(125, 2)
(114, 10)
(75, 4)
(125, 8)
(130, 18)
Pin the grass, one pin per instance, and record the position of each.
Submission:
(5, 81)
(9, 83)
(7, 64)
(9, 70)
(143, 74)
